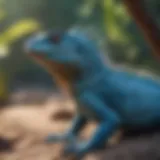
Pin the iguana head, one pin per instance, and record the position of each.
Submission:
(72, 59)
(63, 48)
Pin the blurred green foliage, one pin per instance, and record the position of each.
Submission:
(107, 20)
(11, 34)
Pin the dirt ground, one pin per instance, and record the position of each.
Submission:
(32, 115)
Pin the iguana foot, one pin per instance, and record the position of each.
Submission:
(75, 150)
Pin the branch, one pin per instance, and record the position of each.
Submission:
(146, 24)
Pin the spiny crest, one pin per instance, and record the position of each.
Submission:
(83, 39)
(80, 36)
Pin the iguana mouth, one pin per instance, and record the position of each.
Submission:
(65, 71)
(39, 58)
(36, 56)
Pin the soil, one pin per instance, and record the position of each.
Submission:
(26, 121)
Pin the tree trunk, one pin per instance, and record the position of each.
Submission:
(146, 23)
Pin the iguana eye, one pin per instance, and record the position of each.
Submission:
(55, 39)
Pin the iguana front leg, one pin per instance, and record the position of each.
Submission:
(109, 122)
(78, 123)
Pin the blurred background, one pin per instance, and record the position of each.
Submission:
(24, 85)
(106, 21)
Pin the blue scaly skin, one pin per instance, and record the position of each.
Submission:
(113, 98)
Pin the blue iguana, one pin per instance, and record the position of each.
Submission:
(113, 98)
